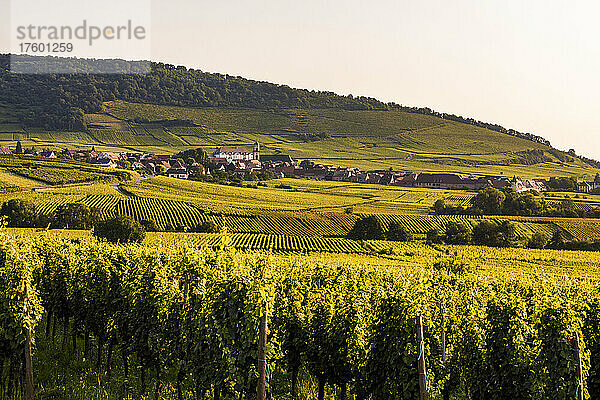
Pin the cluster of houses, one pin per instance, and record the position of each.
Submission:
(239, 160)
(416, 179)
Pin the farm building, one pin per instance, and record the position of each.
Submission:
(103, 162)
(527, 185)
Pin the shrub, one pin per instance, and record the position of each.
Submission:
(439, 207)
(485, 233)
(457, 233)
(434, 237)
(207, 227)
(397, 233)
(75, 216)
(367, 228)
(489, 201)
(149, 225)
(19, 213)
(558, 240)
(506, 234)
(120, 229)
(537, 241)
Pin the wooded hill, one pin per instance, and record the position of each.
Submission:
(174, 108)
(59, 101)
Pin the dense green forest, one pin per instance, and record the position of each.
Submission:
(59, 102)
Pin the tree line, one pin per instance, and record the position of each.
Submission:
(507, 201)
(484, 233)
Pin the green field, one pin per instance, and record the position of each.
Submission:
(365, 139)
(25, 173)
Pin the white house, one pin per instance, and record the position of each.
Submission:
(179, 173)
(103, 162)
(237, 153)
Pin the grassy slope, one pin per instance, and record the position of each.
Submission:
(366, 139)
(10, 178)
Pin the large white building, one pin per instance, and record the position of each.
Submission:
(236, 153)
(527, 185)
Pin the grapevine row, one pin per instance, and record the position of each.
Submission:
(190, 317)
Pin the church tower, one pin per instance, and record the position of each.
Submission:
(256, 151)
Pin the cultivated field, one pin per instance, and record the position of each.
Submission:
(309, 210)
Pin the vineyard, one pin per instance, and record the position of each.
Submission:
(184, 216)
(581, 228)
(376, 253)
(33, 172)
(364, 139)
(250, 281)
(276, 243)
(310, 209)
(61, 176)
(305, 195)
(7, 187)
(176, 321)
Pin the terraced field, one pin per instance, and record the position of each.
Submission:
(579, 228)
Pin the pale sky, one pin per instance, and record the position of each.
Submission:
(530, 65)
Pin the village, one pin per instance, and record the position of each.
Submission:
(239, 160)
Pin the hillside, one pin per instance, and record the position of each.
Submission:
(359, 138)
(175, 108)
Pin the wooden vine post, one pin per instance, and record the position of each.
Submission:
(28, 384)
(421, 361)
(261, 388)
(443, 338)
(578, 365)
